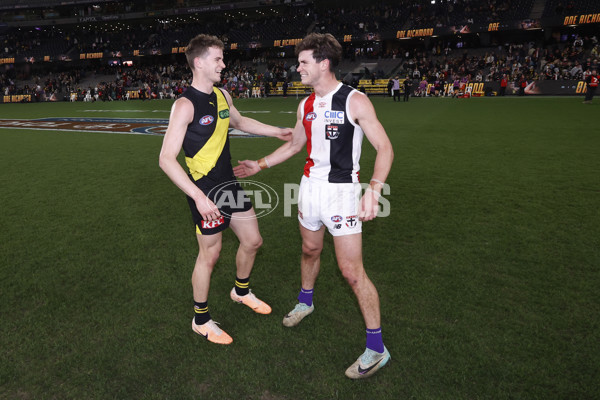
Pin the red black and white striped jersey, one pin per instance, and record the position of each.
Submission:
(333, 138)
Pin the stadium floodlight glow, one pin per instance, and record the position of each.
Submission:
(432, 1)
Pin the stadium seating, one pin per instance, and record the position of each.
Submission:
(367, 69)
(569, 7)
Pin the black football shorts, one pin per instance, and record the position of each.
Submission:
(229, 197)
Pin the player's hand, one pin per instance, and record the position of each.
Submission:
(246, 168)
(207, 209)
(285, 134)
(369, 205)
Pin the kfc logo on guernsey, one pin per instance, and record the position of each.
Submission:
(213, 224)
(207, 120)
(334, 117)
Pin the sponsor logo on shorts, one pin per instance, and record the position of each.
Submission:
(311, 116)
(351, 221)
(337, 226)
(207, 120)
(336, 218)
(213, 224)
(331, 132)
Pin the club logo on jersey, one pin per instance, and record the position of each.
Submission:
(334, 117)
(351, 221)
(336, 218)
(207, 120)
(223, 114)
(331, 132)
(311, 116)
(213, 224)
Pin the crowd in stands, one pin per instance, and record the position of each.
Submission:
(41, 87)
(512, 61)
(569, 7)
(149, 82)
(441, 60)
(449, 13)
(517, 63)
(282, 22)
(157, 35)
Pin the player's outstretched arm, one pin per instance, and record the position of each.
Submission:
(248, 168)
(249, 125)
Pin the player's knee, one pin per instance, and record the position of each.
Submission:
(256, 243)
(354, 276)
(252, 244)
(311, 249)
(212, 259)
(209, 257)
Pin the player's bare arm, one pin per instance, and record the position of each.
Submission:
(364, 114)
(248, 168)
(182, 114)
(249, 125)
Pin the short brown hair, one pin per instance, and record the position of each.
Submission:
(324, 47)
(199, 45)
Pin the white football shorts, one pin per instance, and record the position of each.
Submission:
(334, 205)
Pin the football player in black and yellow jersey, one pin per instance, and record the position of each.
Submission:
(199, 123)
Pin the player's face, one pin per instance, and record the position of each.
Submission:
(211, 64)
(308, 68)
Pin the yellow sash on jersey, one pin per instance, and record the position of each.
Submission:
(206, 158)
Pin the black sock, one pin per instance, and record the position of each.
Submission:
(202, 315)
(242, 286)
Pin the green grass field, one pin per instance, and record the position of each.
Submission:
(487, 267)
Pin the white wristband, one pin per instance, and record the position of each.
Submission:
(377, 181)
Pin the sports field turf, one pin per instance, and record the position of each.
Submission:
(487, 267)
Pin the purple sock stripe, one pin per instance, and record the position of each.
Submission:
(305, 296)
(375, 340)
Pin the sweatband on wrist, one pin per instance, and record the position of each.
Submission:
(262, 163)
